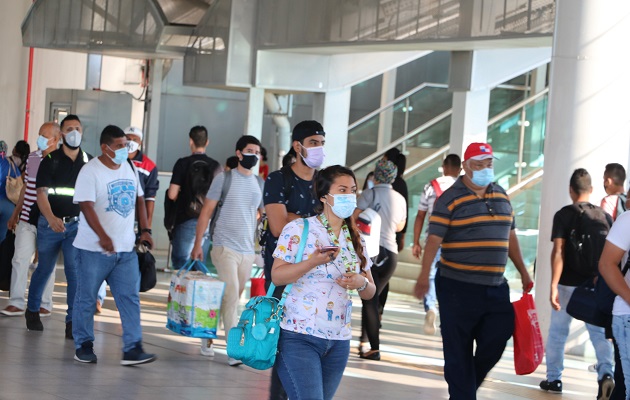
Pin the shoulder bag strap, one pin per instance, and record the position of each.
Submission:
(298, 258)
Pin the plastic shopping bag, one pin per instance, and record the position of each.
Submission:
(528, 342)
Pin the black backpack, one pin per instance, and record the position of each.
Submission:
(263, 232)
(587, 238)
(198, 179)
(621, 205)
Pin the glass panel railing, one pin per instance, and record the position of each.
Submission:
(419, 144)
(526, 205)
(517, 138)
(400, 117)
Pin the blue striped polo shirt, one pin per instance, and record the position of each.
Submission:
(475, 233)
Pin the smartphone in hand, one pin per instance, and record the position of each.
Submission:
(325, 249)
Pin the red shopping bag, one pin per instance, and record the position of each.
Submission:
(257, 287)
(528, 342)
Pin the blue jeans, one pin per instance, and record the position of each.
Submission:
(122, 273)
(472, 314)
(102, 293)
(621, 331)
(309, 367)
(430, 299)
(558, 333)
(6, 209)
(183, 242)
(49, 243)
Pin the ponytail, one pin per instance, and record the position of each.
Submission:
(356, 242)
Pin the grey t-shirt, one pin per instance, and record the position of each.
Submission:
(236, 226)
(390, 206)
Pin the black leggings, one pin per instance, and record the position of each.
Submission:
(382, 270)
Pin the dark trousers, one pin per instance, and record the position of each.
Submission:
(382, 270)
(472, 314)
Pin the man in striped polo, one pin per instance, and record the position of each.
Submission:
(473, 222)
(233, 200)
(26, 230)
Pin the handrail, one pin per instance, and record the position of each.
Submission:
(396, 142)
(424, 161)
(526, 181)
(440, 117)
(396, 100)
(517, 106)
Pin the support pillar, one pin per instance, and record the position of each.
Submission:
(587, 121)
(152, 122)
(469, 121)
(332, 110)
(255, 111)
(388, 94)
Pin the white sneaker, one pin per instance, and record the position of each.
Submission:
(429, 323)
(592, 368)
(232, 362)
(207, 348)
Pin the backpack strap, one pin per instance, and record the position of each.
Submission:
(627, 266)
(298, 258)
(436, 187)
(227, 182)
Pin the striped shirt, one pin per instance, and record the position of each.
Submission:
(236, 226)
(30, 194)
(475, 233)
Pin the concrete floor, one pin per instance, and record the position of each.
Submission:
(40, 366)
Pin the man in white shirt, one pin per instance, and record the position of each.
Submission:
(107, 191)
(451, 167)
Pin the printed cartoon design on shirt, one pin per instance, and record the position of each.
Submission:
(329, 310)
(122, 197)
(316, 304)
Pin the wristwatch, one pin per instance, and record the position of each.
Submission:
(365, 284)
(146, 230)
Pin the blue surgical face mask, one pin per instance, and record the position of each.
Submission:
(370, 184)
(483, 177)
(120, 155)
(344, 206)
(42, 143)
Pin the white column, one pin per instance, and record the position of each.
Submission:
(388, 94)
(332, 110)
(469, 121)
(588, 120)
(255, 111)
(152, 127)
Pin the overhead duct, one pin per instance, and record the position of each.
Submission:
(129, 28)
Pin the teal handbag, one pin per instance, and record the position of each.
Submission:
(254, 340)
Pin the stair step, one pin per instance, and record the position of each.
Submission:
(402, 285)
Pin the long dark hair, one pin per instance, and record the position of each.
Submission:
(323, 181)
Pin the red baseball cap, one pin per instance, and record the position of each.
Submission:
(478, 151)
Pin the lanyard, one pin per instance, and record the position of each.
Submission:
(351, 263)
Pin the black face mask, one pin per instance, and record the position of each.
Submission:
(248, 161)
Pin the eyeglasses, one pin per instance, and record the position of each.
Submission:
(489, 207)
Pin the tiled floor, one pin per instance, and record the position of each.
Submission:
(39, 366)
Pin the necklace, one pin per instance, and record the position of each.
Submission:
(351, 262)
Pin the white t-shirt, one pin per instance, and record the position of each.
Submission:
(619, 235)
(114, 193)
(316, 304)
(429, 196)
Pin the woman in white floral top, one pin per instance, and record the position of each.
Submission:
(315, 339)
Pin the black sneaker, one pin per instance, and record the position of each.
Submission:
(553, 387)
(69, 331)
(33, 323)
(137, 356)
(606, 386)
(85, 353)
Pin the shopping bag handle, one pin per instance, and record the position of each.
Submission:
(298, 258)
(192, 263)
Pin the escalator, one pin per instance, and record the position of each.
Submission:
(517, 136)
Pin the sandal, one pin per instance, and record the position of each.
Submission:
(371, 355)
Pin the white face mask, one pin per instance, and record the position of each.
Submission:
(73, 139)
(132, 146)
